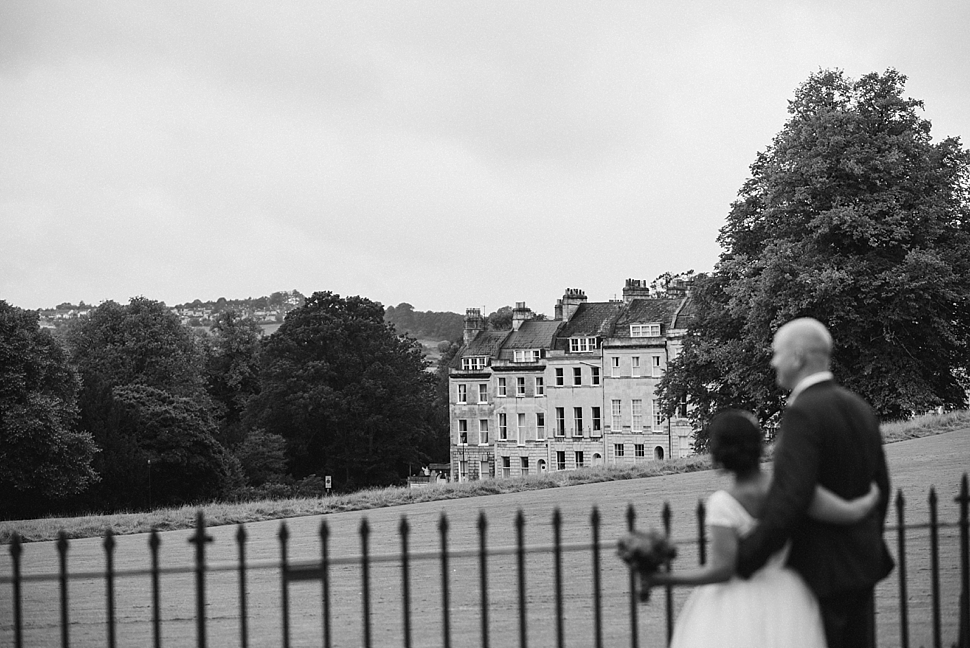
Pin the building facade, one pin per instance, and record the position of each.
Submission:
(574, 391)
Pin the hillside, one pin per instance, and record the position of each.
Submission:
(424, 325)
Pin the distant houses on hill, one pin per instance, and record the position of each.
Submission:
(426, 325)
(264, 310)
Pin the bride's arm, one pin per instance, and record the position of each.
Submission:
(720, 568)
(826, 506)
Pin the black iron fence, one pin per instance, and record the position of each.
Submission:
(475, 594)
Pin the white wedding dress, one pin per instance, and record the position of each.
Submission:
(773, 608)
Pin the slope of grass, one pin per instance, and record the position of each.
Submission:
(219, 513)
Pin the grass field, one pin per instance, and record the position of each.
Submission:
(219, 513)
(915, 465)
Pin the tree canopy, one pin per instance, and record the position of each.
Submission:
(854, 216)
(424, 324)
(144, 397)
(232, 371)
(43, 458)
(139, 343)
(351, 398)
(177, 435)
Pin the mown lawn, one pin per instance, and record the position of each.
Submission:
(220, 513)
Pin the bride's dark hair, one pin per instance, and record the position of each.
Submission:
(736, 441)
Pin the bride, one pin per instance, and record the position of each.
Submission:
(774, 607)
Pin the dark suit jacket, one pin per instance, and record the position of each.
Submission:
(829, 436)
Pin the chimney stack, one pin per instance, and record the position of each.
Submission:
(474, 324)
(570, 301)
(520, 314)
(635, 289)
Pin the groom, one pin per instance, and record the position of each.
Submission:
(829, 436)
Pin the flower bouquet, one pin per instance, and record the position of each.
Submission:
(645, 552)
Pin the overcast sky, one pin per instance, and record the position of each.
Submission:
(447, 154)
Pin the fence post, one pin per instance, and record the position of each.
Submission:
(109, 577)
(964, 500)
(154, 541)
(200, 539)
(365, 577)
(284, 536)
(483, 574)
(520, 555)
(243, 606)
(901, 570)
(16, 548)
(445, 593)
(935, 570)
(634, 599)
(325, 568)
(669, 589)
(405, 582)
(557, 558)
(594, 522)
(62, 546)
(701, 533)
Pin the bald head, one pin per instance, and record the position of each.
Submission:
(801, 347)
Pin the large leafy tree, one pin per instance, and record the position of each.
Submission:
(176, 435)
(43, 458)
(351, 398)
(140, 343)
(141, 369)
(232, 371)
(854, 216)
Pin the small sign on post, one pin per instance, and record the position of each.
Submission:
(327, 483)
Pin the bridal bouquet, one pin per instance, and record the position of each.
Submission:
(645, 552)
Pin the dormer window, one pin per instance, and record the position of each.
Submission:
(582, 344)
(526, 355)
(474, 363)
(645, 330)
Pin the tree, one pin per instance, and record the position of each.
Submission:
(500, 320)
(400, 317)
(442, 440)
(232, 371)
(854, 216)
(351, 398)
(43, 459)
(142, 343)
(177, 435)
(262, 457)
(118, 350)
(425, 324)
(662, 285)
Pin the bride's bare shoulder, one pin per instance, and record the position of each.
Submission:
(750, 495)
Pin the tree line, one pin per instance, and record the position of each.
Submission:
(127, 408)
(427, 325)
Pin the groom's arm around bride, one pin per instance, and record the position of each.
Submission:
(829, 437)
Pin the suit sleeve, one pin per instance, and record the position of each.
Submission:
(792, 488)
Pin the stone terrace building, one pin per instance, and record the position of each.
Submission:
(574, 391)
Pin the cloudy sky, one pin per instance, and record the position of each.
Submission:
(448, 154)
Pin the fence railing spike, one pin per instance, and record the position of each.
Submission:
(109, 585)
(901, 570)
(62, 547)
(483, 576)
